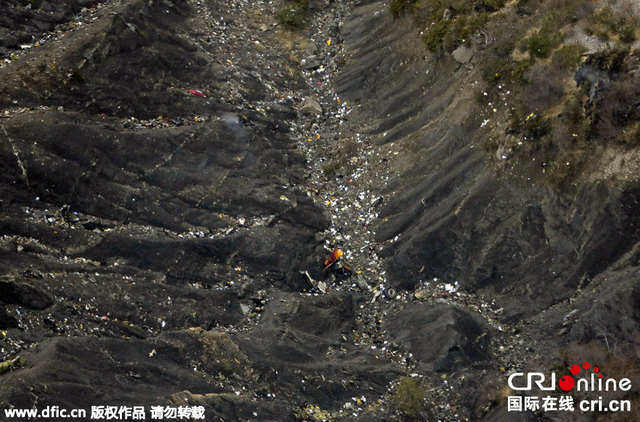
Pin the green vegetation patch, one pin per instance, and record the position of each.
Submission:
(530, 72)
(10, 365)
(447, 35)
(294, 13)
(450, 22)
(398, 6)
(567, 57)
(462, 29)
(408, 399)
(462, 7)
(608, 24)
(331, 168)
(434, 36)
(532, 126)
(542, 43)
(507, 70)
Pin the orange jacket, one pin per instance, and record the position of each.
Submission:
(335, 255)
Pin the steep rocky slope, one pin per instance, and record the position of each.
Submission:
(175, 172)
(558, 260)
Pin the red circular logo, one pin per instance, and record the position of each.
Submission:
(566, 383)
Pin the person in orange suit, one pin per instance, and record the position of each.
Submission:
(334, 265)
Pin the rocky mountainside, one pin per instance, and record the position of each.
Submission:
(175, 173)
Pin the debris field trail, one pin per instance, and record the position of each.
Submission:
(347, 176)
(171, 169)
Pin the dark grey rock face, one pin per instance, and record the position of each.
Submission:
(149, 185)
(22, 21)
(521, 241)
(24, 295)
(538, 252)
(168, 194)
(306, 343)
(441, 337)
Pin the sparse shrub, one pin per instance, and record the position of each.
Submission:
(493, 5)
(290, 17)
(616, 108)
(468, 17)
(573, 114)
(330, 169)
(462, 30)
(567, 57)
(398, 6)
(542, 43)
(506, 69)
(503, 48)
(468, 6)
(605, 17)
(544, 87)
(434, 36)
(293, 14)
(606, 22)
(497, 69)
(535, 127)
(532, 127)
(610, 60)
(456, 34)
(627, 32)
(220, 350)
(408, 399)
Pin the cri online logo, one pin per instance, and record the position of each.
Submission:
(567, 382)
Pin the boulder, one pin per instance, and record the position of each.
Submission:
(462, 54)
(310, 106)
(442, 338)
